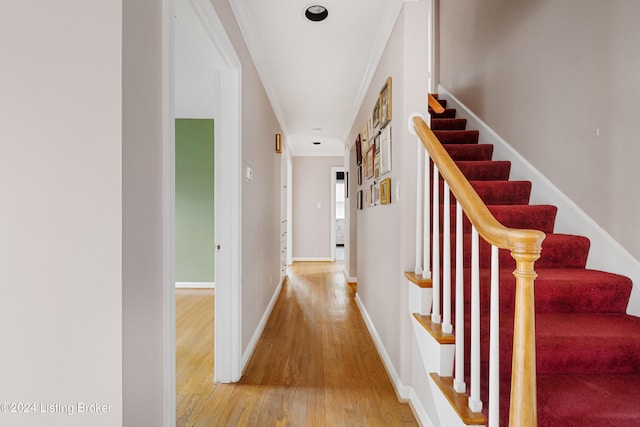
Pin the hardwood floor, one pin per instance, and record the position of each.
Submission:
(315, 364)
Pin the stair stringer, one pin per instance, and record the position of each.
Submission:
(605, 254)
(434, 357)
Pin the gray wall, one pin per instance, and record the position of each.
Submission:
(545, 75)
(312, 224)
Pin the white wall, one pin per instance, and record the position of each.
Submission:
(547, 76)
(60, 214)
(312, 206)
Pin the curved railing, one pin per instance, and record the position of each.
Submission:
(525, 247)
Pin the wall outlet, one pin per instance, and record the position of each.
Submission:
(248, 174)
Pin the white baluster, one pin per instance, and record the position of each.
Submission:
(494, 343)
(475, 404)
(419, 219)
(459, 384)
(435, 311)
(447, 327)
(426, 272)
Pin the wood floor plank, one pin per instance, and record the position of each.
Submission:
(315, 364)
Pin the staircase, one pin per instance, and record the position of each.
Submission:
(587, 347)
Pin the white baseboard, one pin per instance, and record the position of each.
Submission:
(196, 285)
(605, 253)
(402, 391)
(350, 279)
(418, 410)
(312, 259)
(258, 332)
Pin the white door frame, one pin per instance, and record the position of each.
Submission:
(228, 209)
(334, 169)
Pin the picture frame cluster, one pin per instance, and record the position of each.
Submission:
(373, 153)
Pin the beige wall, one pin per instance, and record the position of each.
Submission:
(546, 76)
(386, 234)
(60, 214)
(142, 175)
(311, 225)
(260, 197)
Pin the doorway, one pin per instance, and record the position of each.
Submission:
(338, 206)
(220, 76)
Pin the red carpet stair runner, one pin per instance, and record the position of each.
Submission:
(588, 349)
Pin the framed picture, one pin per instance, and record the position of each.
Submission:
(376, 166)
(385, 150)
(376, 114)
(385, 103)
(369, 163)
(364, 139)
(360, 175)
(375, 194)
(367, 197)
(359, 200)
(358, 151)
(385, 191)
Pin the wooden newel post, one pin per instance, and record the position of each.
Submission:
(526, 246)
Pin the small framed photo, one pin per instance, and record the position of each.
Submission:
(376, 114)
(385, 150)
(376, 166)
(360, 175)
(385, 191)
(358, 151)
(385, 103)
(364, 139)
(375, 194)
(369, 163)
(359, 200)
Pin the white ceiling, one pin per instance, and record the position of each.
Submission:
(316, 73)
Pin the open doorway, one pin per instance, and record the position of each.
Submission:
(206, 79)
(338, 206)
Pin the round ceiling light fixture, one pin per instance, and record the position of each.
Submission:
(316, 13)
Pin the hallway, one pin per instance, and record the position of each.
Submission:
(315, 364)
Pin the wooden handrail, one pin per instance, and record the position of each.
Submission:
(434, 104)
(525, 247)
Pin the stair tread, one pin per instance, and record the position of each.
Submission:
(469, 151)
(448, 113)
(435, 329)
(595, 400)
(457, 136)
(459, 401)
(485, 170)
(448, 124)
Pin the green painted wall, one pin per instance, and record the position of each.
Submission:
(194, 201)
